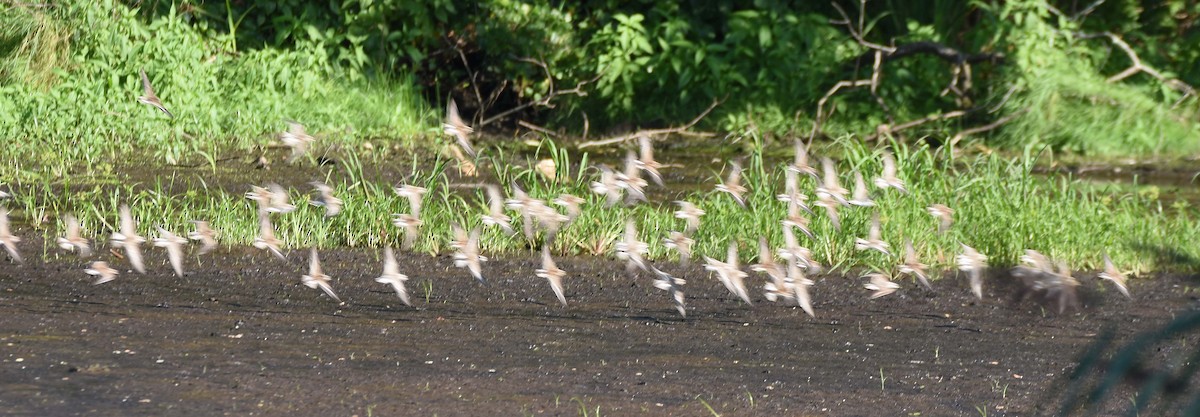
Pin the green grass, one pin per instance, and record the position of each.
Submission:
(1001, 210)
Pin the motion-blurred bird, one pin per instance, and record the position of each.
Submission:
(316, 278)
(129, 240)
(551, 273)
(830, 205)
(469, 257)
(608, 186)
(1114, 275)
(800, 160)
(690, 214)
(874, 239)
(944, 216)
(831, 187)
(266, 236)
(791, 192)
(409, 224)
(888, 178)
(454, 126)
(148, 97)
(682, 244)
(205, 235)
(631, 181)
(729, 274)
(392, 276)
(672, 285)
(913, 266)
(973, 263)
(631, 250)
(797, 220)
(271, 199)
(766, 263)
(733, 184)
(415, 196)
(73, 240)
(325, 198)
(646, 160)
(6, 237)
(880, 285)
(101, 271)
(861, 197)
(496, 216)
(572, 204)
(174, 245)
(296, 139)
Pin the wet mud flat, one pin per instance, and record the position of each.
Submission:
(239, 335)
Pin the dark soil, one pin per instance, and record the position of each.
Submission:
(239, 335)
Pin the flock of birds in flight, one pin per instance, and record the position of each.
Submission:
(787, 279)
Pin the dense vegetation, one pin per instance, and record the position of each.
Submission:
(234, 69)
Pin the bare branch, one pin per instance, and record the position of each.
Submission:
(1137, 65)
(990, 126)
(537, 128)
(856, 33)
(472, 74)
(681, 130)
(545, 100)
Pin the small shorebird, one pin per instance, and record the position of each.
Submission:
(572, 204)
(733, 184)
(1114, 275)
(888, 178)
(861, 196)
(830, 187)
(415, 196)
(690, 215)
(631, 180)
(646, 160)
(271, 199)
(174, 245)
(551, 273)
(496, 216)
(800, 161)
(128, 239)
(317, 279)
(791, 191)
(973, 263)
(409, 224)
(608, 186)
(266, 236)
(631, 250)
(880, 284)
(766, 263)
(469, 257)
(1040, 275)
(830, 205)
(665, 281)
(454, 126)
(799, 286)
(6, 237)
(913, 266)
(325, 198)
(102, 271)
(944, 215)
(728, 272)
(392, 276)
(797, 220)
(73, 240)
(681, 243)
(296, 139)
(793, 252)
(549, 219)
(528, 207)
(205, 235)
(148, 97)
(874, 239)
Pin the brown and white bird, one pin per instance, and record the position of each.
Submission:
(496, 216)
(973, 263)
(913, 266)
(468, 256)
(888, 178)
(874, 239)
(766, 263)
(733, 184)
(791, 192)
(101, 271)
(631, 250)
(880, 285)
(830, 205)
(271, 199)
(800, 160)
(572, 204)
(174, 245)
(455, 126)
(830, 187)
(631, 181)
(797, 220)
(690, 214)
(296, 139)
(392, 276)
(943, 214)
(672, 285)
(551, 273)
(205, 235)
(608, 186)
(415, 196)
(794, 253)
(409, 223)
(325, 198)
(148, 97)
(1114, 275)
(799, 286)
(729, 274)
(266, 236)
(861, 196)
(73, 241)
(316, 278)
(1041, 276)
(681, 243)
(6, 237)
(129, 240)
(646, 160)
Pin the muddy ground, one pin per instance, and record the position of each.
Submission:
(239, 335)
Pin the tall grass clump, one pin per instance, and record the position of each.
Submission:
(70, 83)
